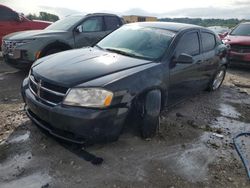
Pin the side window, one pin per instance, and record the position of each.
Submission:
(208, 41)
(111, 22)
(92, 25)
(189, 44)
(7, 15)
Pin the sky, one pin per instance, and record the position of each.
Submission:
(160, 8)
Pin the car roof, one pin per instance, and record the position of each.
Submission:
(94, 14)
(176, 27)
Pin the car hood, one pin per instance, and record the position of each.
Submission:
(244, 40)
(32, 34)
(74, 67)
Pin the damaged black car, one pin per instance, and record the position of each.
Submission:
(87, 94)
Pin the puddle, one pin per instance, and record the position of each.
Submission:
(20, 138)
(233, 126)
(37, 180)
(229, 111)
(14, 166)
(193, 163)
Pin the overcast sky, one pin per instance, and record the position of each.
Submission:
(160, 8)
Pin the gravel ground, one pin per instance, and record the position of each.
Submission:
(188, 151)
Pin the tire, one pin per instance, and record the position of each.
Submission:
(217, 79)
(150, 114)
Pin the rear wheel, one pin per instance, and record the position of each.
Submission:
(218, 79)
(150, 108)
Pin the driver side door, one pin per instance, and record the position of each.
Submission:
(183, 77)
(89, 32)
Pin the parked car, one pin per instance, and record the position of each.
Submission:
(22, 49)
(221, 31)
(86, 94)
(11, 21)
(239, 41)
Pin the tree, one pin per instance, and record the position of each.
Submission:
(43, 16)
(205, 22)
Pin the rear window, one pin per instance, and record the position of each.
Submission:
(112, 22)
(208, 41)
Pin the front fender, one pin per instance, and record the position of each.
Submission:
(135, 85)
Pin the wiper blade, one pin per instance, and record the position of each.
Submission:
(119, 52)
(125, 53)
(98, 46)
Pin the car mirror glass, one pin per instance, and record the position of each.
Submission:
(79, 29)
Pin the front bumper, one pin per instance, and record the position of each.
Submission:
(17, 63)
(240, 59)
(75, 124)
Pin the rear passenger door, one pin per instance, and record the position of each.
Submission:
(89, 32)
(211, 58)
(184, 77)
(111, 23)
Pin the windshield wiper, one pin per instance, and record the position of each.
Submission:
(120, 52)
(98, 46)
(128, 54)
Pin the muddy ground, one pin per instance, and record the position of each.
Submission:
(185, 153)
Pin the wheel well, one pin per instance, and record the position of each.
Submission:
(55, 45)
(140, 97)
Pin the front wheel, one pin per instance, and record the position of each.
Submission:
(150, 114)
(217, 79)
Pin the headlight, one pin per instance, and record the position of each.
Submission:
(89, 97)
(225, 41)
(22, 42)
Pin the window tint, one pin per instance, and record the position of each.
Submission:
(92, 25)
(112, 23)
(208, 41)
(7, 15)
(189, 44)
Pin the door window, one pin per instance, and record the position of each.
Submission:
(92, 25)
(189, 44)
(7, 15)
(208, 41)
(112, 23)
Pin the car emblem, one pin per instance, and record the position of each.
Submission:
(39, 85)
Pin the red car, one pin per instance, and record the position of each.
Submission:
(239, 41)
(11, 21)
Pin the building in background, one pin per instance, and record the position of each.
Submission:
(135, 18)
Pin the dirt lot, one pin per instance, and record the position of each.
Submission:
(185, 153)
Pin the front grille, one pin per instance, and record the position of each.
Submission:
(240, 48)
(8, 46)
(46, 92)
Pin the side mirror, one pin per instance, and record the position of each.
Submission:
(225, 34)
(184, 59)
(19, 18)
(79, 29)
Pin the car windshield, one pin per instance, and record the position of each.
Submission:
(241, 30)
(65, 23)
(140, 42)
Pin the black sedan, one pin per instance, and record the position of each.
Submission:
(85, 95)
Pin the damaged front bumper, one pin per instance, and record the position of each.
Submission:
(75, 124)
